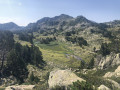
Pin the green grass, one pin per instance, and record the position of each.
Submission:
(55, 54)
(56, 51)
(55, 46)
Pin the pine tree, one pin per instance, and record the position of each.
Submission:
(91, 64)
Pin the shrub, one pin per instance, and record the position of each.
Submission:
(81, 86)
(33, 79)
(59, 88)
(78, 40)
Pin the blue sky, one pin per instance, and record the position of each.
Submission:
(23, 12)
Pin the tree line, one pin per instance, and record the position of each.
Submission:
(15, 61)
(78, 40)
(107, 48)
(47, 40)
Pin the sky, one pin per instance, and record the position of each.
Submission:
(23, 12)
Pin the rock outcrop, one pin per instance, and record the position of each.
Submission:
(20, 87)
(103, 87)
(11, 80)
(115, 84)
(116, 73)
(108, 61)
(62, 78)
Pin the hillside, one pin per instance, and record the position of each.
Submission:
(10, 26)
(77, 48)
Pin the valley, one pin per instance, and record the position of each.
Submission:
(53, 53)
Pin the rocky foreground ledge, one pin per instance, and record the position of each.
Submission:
(20, 87)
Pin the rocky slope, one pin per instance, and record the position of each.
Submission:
(108, 61)
(116, 73)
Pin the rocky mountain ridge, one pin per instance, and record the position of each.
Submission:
(58, 21)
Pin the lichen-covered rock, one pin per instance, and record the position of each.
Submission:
(109, 60)
(20, 87)
(62, 78)
(116, 73)
(103, 87)
(109, 74)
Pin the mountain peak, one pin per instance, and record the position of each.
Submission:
(9, 26)
(62, 17)
(81, 19)
(43, 19)
(11, 23)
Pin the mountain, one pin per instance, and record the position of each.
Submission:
(61, 17)
(62, 21)
(10, 26)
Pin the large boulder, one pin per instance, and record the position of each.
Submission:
(103, 87)
(20, 87)
(62, 78)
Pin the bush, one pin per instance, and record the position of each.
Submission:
(95, 80)
(59, 88)
(47, 40)
(106, 48)
(33, 79)
(76, 86)
(81, 86)
(78, 40)
(91, 64)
